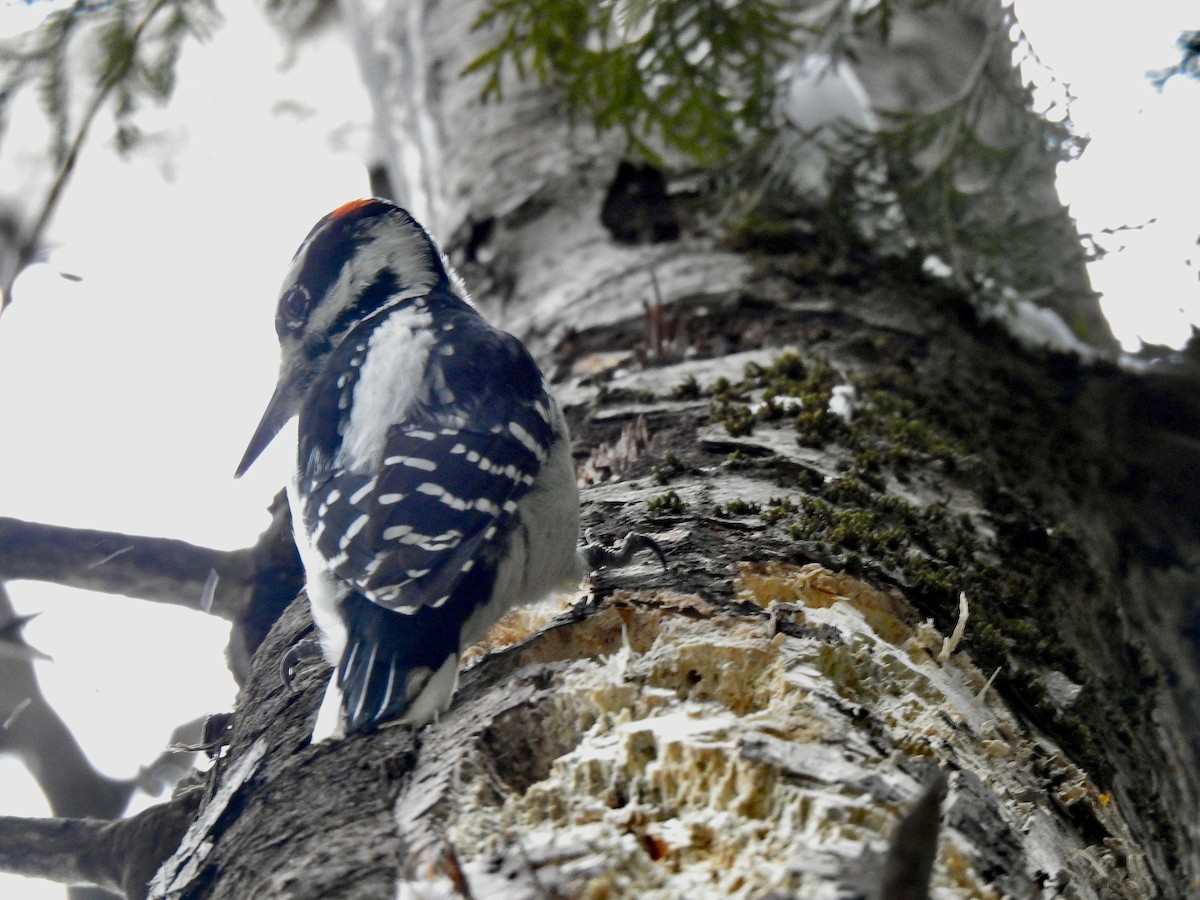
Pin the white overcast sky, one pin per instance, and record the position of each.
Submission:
(128, 397)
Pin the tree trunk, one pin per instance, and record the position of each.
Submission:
(845, 467)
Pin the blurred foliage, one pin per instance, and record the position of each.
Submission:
(699, 83)
(1189, 64)
(693, 74)
(699, 77)
(973, 179)
(299, 19)
(89, 51)
(84, 55)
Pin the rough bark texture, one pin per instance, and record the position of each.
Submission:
(757, 720)
(753, 723)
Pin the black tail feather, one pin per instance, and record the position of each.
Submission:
(388, 660)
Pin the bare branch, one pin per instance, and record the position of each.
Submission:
(248, 587)
(33, 732)
(118, 855)
(12, 642)
(148, 568)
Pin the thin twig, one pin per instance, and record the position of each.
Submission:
(53, 196)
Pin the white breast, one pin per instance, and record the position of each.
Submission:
(320, 584)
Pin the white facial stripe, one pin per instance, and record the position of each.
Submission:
(387, 245)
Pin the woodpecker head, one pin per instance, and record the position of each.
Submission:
(353, 262)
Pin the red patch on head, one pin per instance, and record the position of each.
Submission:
(347, 208)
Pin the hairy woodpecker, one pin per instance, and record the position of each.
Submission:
(434, 488)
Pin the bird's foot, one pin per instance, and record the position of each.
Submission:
(598, 556)
(302, 651)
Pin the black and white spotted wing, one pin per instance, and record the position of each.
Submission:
(447, 486)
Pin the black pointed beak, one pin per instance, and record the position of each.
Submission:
(280, 408)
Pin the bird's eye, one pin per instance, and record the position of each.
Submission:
(294, 305)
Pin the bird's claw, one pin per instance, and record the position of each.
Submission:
(296, 655)
(598, 556)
